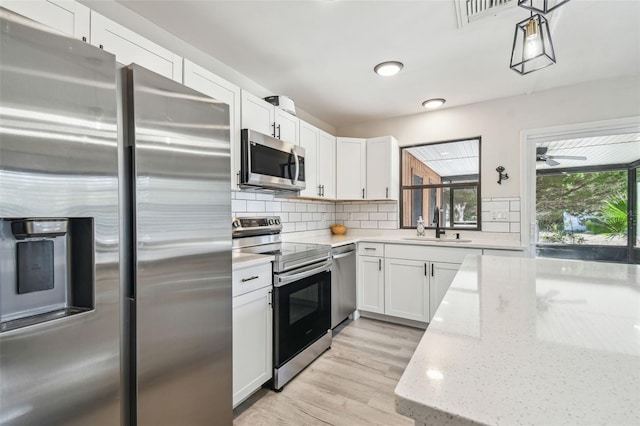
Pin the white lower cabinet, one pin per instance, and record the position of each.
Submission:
(406, 281)
(441, 277)
(406, 289)
(371, 284)
(252, 342)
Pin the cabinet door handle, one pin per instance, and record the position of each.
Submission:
(84, 39)
(363, 193)
(278, 131)
(322, 195)
(274, 129)
(101, 47)
(432, 269)
(379, 264)
(319, 190)
(387, 192)
(270, 298)
(255, 277)
(425, 269)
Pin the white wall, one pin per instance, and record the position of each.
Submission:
(138, 24)
(499, 123)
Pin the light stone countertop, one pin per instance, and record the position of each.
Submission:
(530, 341)
(246, 260)
(404, 237)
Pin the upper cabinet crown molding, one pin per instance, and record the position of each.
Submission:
(67, 16)
(130, 47)
(263, 117)
(206, 82)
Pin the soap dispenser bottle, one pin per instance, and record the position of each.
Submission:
(420, 227)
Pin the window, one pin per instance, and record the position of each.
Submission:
(441, 181)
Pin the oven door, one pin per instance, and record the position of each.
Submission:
(302, 309)
(268, 162)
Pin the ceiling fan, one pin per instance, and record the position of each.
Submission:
(550, 160)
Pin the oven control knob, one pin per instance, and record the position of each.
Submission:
(277, 221)
(235, 223)
(271, 221)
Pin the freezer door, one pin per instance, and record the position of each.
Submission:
(58, 159)
(182, 240)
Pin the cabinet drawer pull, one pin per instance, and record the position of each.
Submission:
(425, 269)
(369, 248)
(274, 129)
(255, 277)
(279, 131)
(363, 193)
(387, 192)
(432, 269)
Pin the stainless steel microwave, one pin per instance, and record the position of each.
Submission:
(269, 163)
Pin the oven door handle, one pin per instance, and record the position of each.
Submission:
(287, 278)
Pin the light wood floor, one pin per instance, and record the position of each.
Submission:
(350, 384)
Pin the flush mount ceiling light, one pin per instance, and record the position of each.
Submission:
(532, 47)
(433, 103)
(388, 68)
(541, 6)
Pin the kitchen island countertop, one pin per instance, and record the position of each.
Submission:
(530, 341)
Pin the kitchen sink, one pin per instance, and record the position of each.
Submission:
(437, 240)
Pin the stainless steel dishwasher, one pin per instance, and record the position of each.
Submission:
(343, 283)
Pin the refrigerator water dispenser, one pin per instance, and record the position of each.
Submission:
(47, 269)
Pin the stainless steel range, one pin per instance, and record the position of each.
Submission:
(301, 294)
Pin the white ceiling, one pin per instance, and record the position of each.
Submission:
(321, 53)
(599, 150)
(451, 158)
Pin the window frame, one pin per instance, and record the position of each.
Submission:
(477, 185)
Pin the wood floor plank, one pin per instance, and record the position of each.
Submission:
(350, 384)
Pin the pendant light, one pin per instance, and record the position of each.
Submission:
(541, 6)
(532, 47)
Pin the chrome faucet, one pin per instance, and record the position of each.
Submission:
(436, 220)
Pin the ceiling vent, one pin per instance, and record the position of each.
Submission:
(468, 11)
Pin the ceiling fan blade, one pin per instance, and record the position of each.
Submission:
(567, 157)
(551, 162)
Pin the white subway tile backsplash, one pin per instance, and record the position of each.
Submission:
(495, 226)
(389, 224)
(256, 206)
(301, 226)
(273, 206)
(352, 224)
(514, 227)
(514, 217)
(514, 206)
(389, 207)
(317, 216)
(312, 207)
(352, 208)
(359, 216)
(378, 216)
(342, 216)
(392, 216)
(495, 206)
(369, 224)
(306, 217)
(295, 217)
(288, 206)
(238, 205)
(288, 227)
(264, 197)
(245, 195)
(301, 207)
(370, 207)
(339, 208)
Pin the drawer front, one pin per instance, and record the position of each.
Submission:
(429, 253)
(371, 249)
(250, 279)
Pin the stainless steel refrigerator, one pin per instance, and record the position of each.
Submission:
(115, 264)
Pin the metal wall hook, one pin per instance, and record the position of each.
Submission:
(501, 176)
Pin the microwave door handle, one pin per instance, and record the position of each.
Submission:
(297, 161)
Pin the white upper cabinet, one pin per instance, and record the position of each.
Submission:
(351, 168)
(257, 114)
(69, 17)
(210, 84)
(327, 164)
(130, 47)
(382, 168)
(263, 117)
(309, 141)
